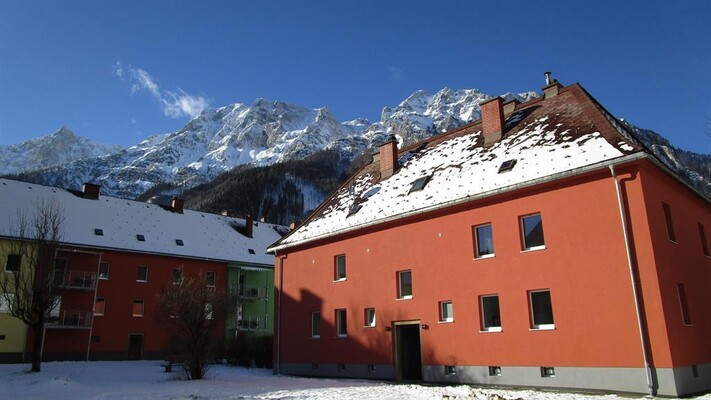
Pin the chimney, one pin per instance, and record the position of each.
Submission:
(388, 158)
(292, 225)
(91, 191)
(177, 205)
(510, 106)
(492, 120)
(226, 213)
(249, 225)
(263, 218)
(552, 87)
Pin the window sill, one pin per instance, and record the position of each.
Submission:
(315, 337)
(485, 256)
(139, 281)
(339, 280)
(534, 248)
(689, 325)
(137, 316)
(404, 298)
(448, 321)
(341, 337)
(368, 326)
(491, 330)
(543, 328)
(672, 241)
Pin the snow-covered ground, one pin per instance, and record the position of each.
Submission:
(147, 380)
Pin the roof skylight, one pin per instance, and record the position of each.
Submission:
(99, 232)
(507, 165)
(419, 183)
(179, 242)
(140, 238)
(251, 251)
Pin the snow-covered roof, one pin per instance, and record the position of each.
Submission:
(543, 139)
(206, 236)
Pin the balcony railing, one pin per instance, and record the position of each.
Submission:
(250, 292)
(70, 319)
(252, 324)
(83, 280)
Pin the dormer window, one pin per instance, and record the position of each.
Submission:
(419, 184)
(140, 238)
(99, 232)
(179, 242)
(507, 165)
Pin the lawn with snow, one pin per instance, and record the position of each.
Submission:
(147, 380)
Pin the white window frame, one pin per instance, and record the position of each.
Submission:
(336, 270)
(316, 316)
(535, 326)
(669, 222)
(524, 245)
(683, 305)
(341, 317)
(137, 268)
(143, 308)
(369, 317)
(108, 269)
(103, 299)
(485, 328)
(477, 253)
(401, 296)
(444, 314)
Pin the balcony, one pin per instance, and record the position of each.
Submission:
(250, 292)
(70, 319)
(252, 323)
(80, 280)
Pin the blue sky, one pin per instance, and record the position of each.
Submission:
(118, 71)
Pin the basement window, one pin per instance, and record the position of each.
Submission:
(419, 184)
(547, 372)
(507, 165)
(179, 242)
(450, 370)
(140, 238)
(494, 370)
(99, 232)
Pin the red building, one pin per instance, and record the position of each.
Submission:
(541, 246)
(117, 255)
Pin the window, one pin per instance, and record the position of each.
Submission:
(99, 306)
(507, 165)
(419, 184)
(315, 324)
(404, 285)
(446, 311)
(494, 370)
(342, 323)
(104, 270)
(99, 232)
(483, 241)
(685, 317)
(140, 238)
(704, 243)
(208, 311)
(210, 277)
(138, 308)
(369, 317)
(13, 262)
(541, 309)
(490, 314)
(669, 223)
(177, 276)
(532, 230)
(5, 303)
(340, 268)
(371, 367)
(547, 372)
(142, 273)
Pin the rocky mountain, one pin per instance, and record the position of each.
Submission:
(60, 148)
(272, 149)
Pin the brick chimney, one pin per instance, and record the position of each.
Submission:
(91, 191)
(249, 225)
(177, 205)
(552, 86)
(388, 158)
(492, 120)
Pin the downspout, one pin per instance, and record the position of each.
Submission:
(96, 290)
(633, 279)
(277, 365)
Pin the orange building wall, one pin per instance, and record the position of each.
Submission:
(584, 265)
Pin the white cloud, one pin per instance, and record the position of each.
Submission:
(175, 104)
(395, 72)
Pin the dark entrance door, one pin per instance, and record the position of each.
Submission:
(409, 354)
(135, 346)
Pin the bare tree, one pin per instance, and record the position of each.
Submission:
(29, 287)
(192, 309)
